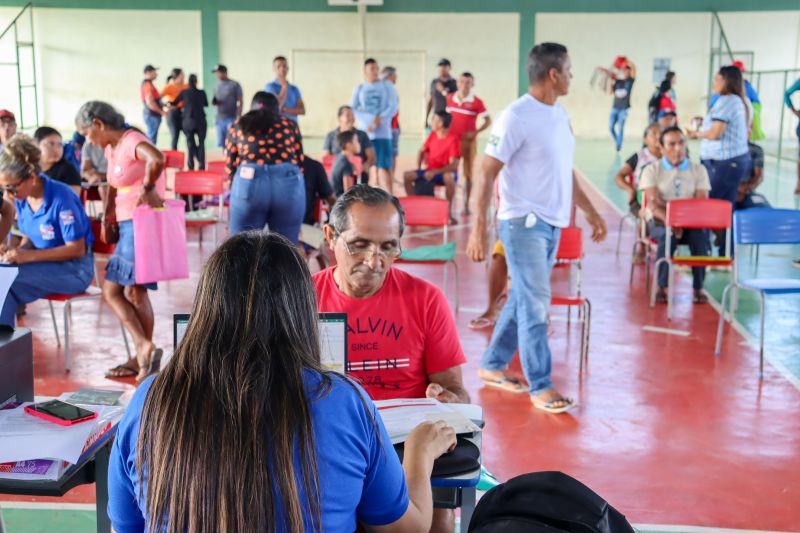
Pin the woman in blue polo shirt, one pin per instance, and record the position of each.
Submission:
(55, 253)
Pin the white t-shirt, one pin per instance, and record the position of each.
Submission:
(536, 145)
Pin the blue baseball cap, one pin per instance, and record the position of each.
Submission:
(667, 112)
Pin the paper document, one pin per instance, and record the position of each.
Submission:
(401, 416)
(25, 437)
(95, 397)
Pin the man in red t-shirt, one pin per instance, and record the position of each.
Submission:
(403, 339)
(402, 336)
(465, 109)
(439, 156)
(151, 100)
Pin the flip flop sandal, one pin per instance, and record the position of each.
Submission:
(127, 372)
(481, 323)
(700, 298)
(661, 298)
(507, 384)
(555, 407)
(153, 366)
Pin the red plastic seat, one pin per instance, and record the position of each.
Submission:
(217, 167)
(569, 255)
(174, 159)
(203, 183)
(693, 213)
(431, 212)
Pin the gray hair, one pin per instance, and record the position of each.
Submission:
(387, 72)
(544, 57)
(20, 157)
(363, 194)
(101, 111)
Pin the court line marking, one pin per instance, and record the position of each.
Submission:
(695, 529)
(40, 506)
(668, 331)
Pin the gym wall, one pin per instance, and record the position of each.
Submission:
(326, 62)
(595, 39)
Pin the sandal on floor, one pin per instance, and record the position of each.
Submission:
(153, 366)
(506, 384)
(557, 406)
(700, 297)
(481, 322)
(661, 297)
(122, 371)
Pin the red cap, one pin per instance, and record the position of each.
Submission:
(620, 62)
(5, 113)
(738, 64)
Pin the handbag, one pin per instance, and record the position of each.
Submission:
(159, 242)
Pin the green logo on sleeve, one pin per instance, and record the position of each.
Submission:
(494, 140)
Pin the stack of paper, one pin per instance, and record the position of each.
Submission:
(36, 449)
(401, 416)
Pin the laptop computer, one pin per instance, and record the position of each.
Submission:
(332, 335)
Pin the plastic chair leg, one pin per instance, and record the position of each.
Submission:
(125, 339)
(67, 356)
(721, 325)
(670, 288)
(55, 323)
(762, 307)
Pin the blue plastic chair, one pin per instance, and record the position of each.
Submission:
(759, 227)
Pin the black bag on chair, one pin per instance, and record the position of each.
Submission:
(546, 502)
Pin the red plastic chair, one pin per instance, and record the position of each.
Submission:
(430, 212)
(650, 246)
(91, 293)
(174, 159)
(570, 252)
(201, 182)
(217, 167)
(693, 213)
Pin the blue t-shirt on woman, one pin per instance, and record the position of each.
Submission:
(360, 475)
(730, 109)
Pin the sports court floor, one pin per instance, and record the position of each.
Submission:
(676, 439)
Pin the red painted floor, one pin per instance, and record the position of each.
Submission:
(666, 432)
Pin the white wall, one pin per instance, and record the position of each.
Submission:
(595, 39)
(99, 54)
(325, 52)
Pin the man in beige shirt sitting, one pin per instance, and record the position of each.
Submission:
(670, 178)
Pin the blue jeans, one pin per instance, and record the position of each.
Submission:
(268, 195)
(616, 123)
(697, 239)
(725, 176)
(37, 280)
(530, 255)
(152, 123)
(223, 125)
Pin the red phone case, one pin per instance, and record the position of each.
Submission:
(58, 421)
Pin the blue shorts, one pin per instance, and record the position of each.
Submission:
(121, 268)
(395, 142)
(438, 179)
(383, 153)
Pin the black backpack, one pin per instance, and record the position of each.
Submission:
(546, 502)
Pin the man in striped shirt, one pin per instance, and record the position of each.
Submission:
(466, 108)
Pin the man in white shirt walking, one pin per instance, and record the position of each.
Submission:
(531, 148)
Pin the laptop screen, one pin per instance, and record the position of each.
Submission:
(332, 335)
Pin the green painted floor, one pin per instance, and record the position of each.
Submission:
(782, 340)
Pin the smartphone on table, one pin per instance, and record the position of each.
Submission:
(61, 413)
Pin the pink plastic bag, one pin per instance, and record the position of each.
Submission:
(159, 242)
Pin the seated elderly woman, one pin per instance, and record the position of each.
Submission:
(245, 431)
(55, 254)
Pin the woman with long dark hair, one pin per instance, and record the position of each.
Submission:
(135, 176)
(264, 156)
(194, 123)
(724, 135)
(245, 431)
